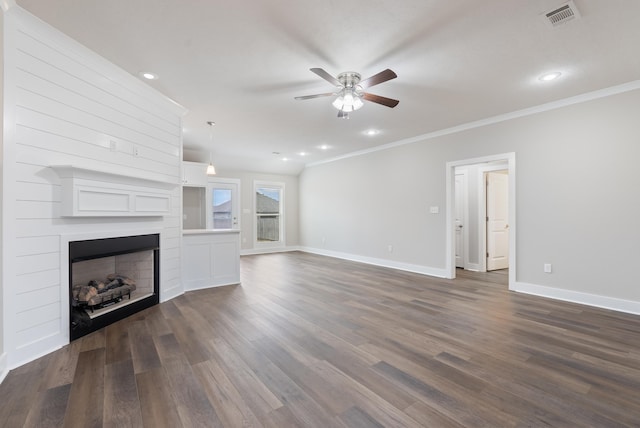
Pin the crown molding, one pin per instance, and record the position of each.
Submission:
(589, 96)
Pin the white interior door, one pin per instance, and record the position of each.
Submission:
(497, 220)
(223, 204)
(459, 209)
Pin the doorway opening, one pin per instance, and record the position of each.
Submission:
(479, 219)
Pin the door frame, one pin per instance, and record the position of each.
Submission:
(450, 256)
(465, 218)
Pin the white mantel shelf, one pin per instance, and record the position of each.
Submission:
(89, 192)
(72, 171)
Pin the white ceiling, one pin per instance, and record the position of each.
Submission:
(241, 63)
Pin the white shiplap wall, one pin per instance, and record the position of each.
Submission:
(65, 105)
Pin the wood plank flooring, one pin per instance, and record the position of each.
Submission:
(311, 341)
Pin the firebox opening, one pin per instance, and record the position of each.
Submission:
(110, 279)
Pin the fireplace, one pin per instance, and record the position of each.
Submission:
(110, 279)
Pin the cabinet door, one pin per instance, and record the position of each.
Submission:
(194, 174)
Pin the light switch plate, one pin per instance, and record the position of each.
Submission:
(434, 210)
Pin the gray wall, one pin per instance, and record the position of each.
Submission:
(577, 197)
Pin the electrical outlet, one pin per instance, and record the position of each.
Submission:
(113, 146)
(390, 248)
(547, 267)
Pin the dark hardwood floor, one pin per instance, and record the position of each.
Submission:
(310, 341)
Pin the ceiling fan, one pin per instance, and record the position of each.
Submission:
(350, 90)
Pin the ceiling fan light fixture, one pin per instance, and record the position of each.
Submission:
(348, 100)
(351, 93)
(357, 102)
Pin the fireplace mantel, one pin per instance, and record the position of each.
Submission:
(95, 193)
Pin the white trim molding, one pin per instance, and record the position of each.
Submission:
(604, 302)
(408, 267)
(256, 251)
(4, 369)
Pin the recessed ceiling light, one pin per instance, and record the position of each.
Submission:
(148, 76)
(371, 132)
(285, 159)
(547, 77)
(302, 154)
(323, 147)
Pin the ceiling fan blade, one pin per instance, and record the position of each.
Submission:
(389, 102)
(326, 76)
(343, 115)
(376, 79)
(308, 97)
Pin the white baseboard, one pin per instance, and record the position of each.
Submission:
(39, 348)
(4, 368)
(473, 267)
(208, 286)
(171, 293)
(255, 251)
(424, 270)
(621, 305)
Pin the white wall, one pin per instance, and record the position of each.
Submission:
(576, 199)
(64, 105)
(246, 201)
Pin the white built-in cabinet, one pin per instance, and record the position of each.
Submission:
(210, 258)
(194, 174)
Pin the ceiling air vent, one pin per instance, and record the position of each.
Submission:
(562, 15)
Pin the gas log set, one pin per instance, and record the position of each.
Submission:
(100, 294)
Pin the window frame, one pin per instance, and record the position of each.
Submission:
(276, 185)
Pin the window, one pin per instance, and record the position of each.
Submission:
(222, 215)
(269, 222)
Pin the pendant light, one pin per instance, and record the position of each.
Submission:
(211, 170)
